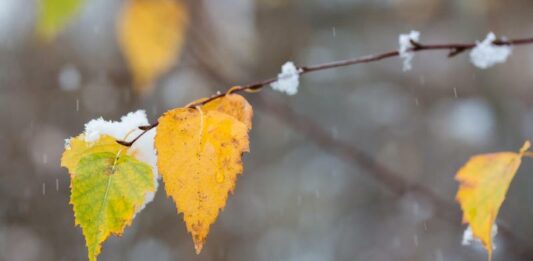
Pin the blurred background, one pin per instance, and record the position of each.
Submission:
(331, 170)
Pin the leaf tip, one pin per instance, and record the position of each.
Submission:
(198, 245)
(525, 147)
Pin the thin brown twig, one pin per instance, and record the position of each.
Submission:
(454, 48)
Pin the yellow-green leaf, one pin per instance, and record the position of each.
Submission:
(54, 16)
(483, 184)
(108, 187)
(151, 35)
(77, 148)
(199, 157)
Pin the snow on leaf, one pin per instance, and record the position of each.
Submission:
(199, 157)
(468, 236)
(151, 34)
(143, 149)
(486, 54)
(127, 127)
(483, 184)
(117, 129)
(288, 79)
(404, 41)
(54, 16)
(108, 187)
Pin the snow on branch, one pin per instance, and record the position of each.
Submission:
(406, 43)
(116, 129)
(126, 127)
(486, 53)
(288, 80)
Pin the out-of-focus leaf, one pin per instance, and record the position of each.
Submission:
(151, 35)
(54, 15)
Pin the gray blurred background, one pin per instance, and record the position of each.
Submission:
(358, 165)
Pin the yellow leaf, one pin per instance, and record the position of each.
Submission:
(483, 184)
(151, 34)
(107, 188)
(234, 105)
(54, 15)
(199, 157)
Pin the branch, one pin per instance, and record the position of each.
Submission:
(453, 48)
(396, 183)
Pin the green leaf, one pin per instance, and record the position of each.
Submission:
(54, 16)
(108, 187)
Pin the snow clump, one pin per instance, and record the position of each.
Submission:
(486, 54)
(288, 79)
(405, 43)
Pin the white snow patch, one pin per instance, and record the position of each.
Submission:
(116, 129)
(405, 43)
(288, 79)
(143, 149)
(486, 54)
(468, 236)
